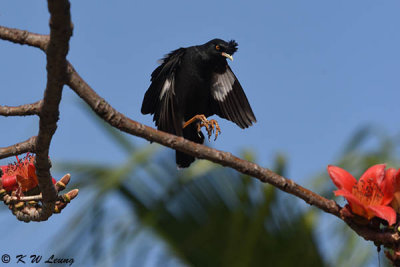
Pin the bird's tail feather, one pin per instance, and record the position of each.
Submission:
(184, 160)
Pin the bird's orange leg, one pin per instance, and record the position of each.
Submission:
(210, 125)
(199, 117)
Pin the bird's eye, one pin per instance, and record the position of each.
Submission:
(217, 47)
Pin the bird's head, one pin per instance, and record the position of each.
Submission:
(220, 48)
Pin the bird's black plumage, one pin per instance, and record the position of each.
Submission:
(196, 80)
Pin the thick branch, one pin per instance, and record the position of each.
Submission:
(56, 52)
(23, 110)
(20, 148)
(56, 47)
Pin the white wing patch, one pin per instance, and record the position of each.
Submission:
(165, 88)
(222, 85)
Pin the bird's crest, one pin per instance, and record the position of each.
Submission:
(233, 46)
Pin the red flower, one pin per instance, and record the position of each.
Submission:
(396, 198)
(20, 175)
(8, 179)
(371, 195)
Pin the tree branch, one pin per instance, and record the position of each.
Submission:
(56, 47)
(23, 110)
(56, 52)
(119, 121)
(389, 239)
(24, 37)
(20, 148)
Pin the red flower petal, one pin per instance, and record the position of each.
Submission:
(376, 173)
(31, 171)
(9, 183)
(20, 175)
(356, 205)
(387, 186)
(341, 178)
(384, 212)
(397, 181)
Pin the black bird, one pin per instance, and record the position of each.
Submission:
(192, 84)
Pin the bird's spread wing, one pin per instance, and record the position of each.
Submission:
(159, 98)
(231, 101)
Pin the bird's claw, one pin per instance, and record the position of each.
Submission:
(211, 126)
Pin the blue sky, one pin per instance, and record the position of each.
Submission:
(314, 72)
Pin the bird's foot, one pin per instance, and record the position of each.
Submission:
(199, 117)
(210, 125)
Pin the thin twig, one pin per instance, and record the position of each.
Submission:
(24, 37)
(18, 149)
(14, 199)
(23, 110)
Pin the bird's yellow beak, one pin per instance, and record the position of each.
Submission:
(227, 56)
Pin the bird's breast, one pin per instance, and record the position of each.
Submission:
(193, 94)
